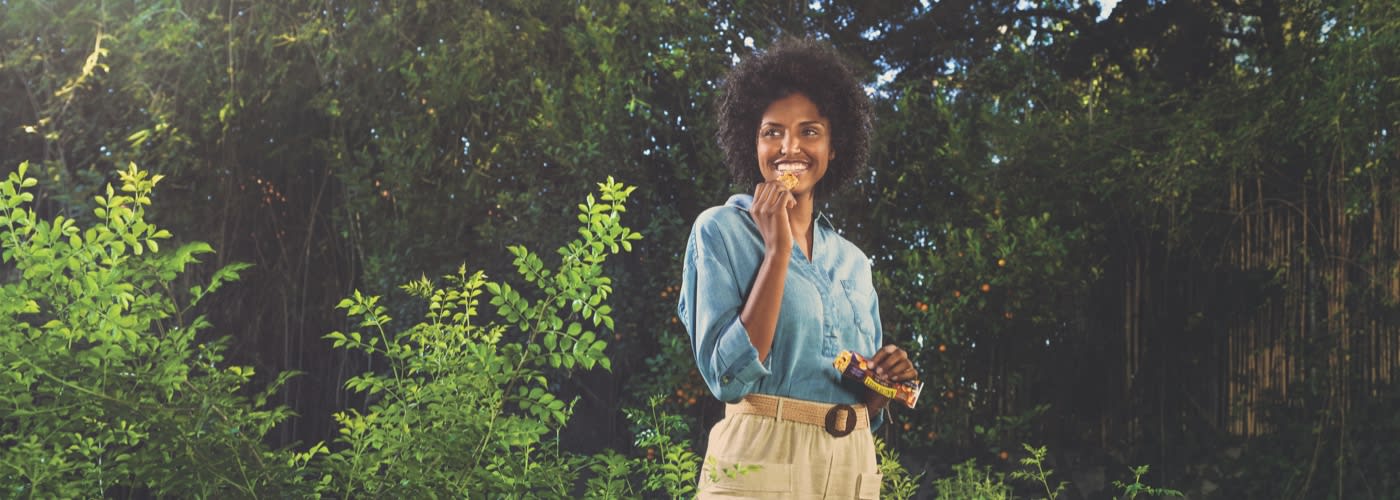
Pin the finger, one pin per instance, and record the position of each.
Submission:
(773, 193)
(890, 358)
(905, 371)
(876, 358)
(880, 363)
(894, 362)
(763, 198)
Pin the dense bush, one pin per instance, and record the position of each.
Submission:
(111, 388)
(468, 406)
(109, 382)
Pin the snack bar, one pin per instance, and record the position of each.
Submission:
(855, 367)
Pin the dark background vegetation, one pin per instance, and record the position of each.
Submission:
(1166, 233)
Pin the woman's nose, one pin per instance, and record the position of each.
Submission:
(791, 145)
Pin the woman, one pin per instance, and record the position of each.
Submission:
(771, 295)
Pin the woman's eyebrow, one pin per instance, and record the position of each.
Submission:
(808, 122)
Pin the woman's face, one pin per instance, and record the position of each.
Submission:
(794, 137)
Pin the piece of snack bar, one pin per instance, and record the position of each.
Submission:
(855, 367)
(788, 180)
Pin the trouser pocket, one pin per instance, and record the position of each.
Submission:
(868, 486)
(718, 477)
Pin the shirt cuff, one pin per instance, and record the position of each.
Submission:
(879, 418)
(738, 363)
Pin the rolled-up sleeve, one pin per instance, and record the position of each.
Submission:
(710, 301)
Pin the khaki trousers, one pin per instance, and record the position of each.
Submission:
(752, 456)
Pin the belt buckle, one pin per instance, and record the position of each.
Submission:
(833, 414)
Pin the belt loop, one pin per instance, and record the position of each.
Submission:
(779, 416)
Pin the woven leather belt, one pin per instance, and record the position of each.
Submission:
(837, 419)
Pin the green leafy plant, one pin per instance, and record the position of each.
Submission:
(1036, 472)
(467, 407)
(108, 384)
(897, 483)
(1132, 490)
(970, 481)
(964, 290)
(670, 467)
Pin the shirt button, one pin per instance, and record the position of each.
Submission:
(726, 379)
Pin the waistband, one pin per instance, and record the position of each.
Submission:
(837, 419)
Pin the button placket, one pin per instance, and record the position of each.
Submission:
(831, 319)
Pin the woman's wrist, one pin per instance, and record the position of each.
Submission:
(776, 254)
(876, 402)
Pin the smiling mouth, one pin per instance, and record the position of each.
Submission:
(792, 167)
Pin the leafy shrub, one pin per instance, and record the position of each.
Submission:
(670, 466)
(1036, 472)
(107, 386)
(973, 295)
(897, 483)
(467, 407)
(1135, 488)
(970, 481)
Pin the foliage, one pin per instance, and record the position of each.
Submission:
(468, 407)
(896, 483)
(670, 467)
(354, 143)
(111, 383)
(1034, 470)
(969, 481)
(113, 393)
(1132, 490)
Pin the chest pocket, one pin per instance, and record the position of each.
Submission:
(861, 304)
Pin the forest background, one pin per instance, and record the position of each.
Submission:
(1161, 233)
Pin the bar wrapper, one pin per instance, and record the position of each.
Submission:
(853, 366)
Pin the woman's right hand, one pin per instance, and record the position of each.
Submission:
(771, 202)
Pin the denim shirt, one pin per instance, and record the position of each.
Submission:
(828, 306)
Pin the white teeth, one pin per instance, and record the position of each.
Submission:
(791, 167)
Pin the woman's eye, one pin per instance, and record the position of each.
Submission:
(772, 132)
(811, 132)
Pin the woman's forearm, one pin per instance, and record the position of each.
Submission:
(760, 314)
(874, 403)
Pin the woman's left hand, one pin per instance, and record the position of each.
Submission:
(891, 363)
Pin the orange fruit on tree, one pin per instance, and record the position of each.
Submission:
(942, 347)
(1004, 455)
(986, 287)
(1001, 262)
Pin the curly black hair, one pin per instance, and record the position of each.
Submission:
(794, 65)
